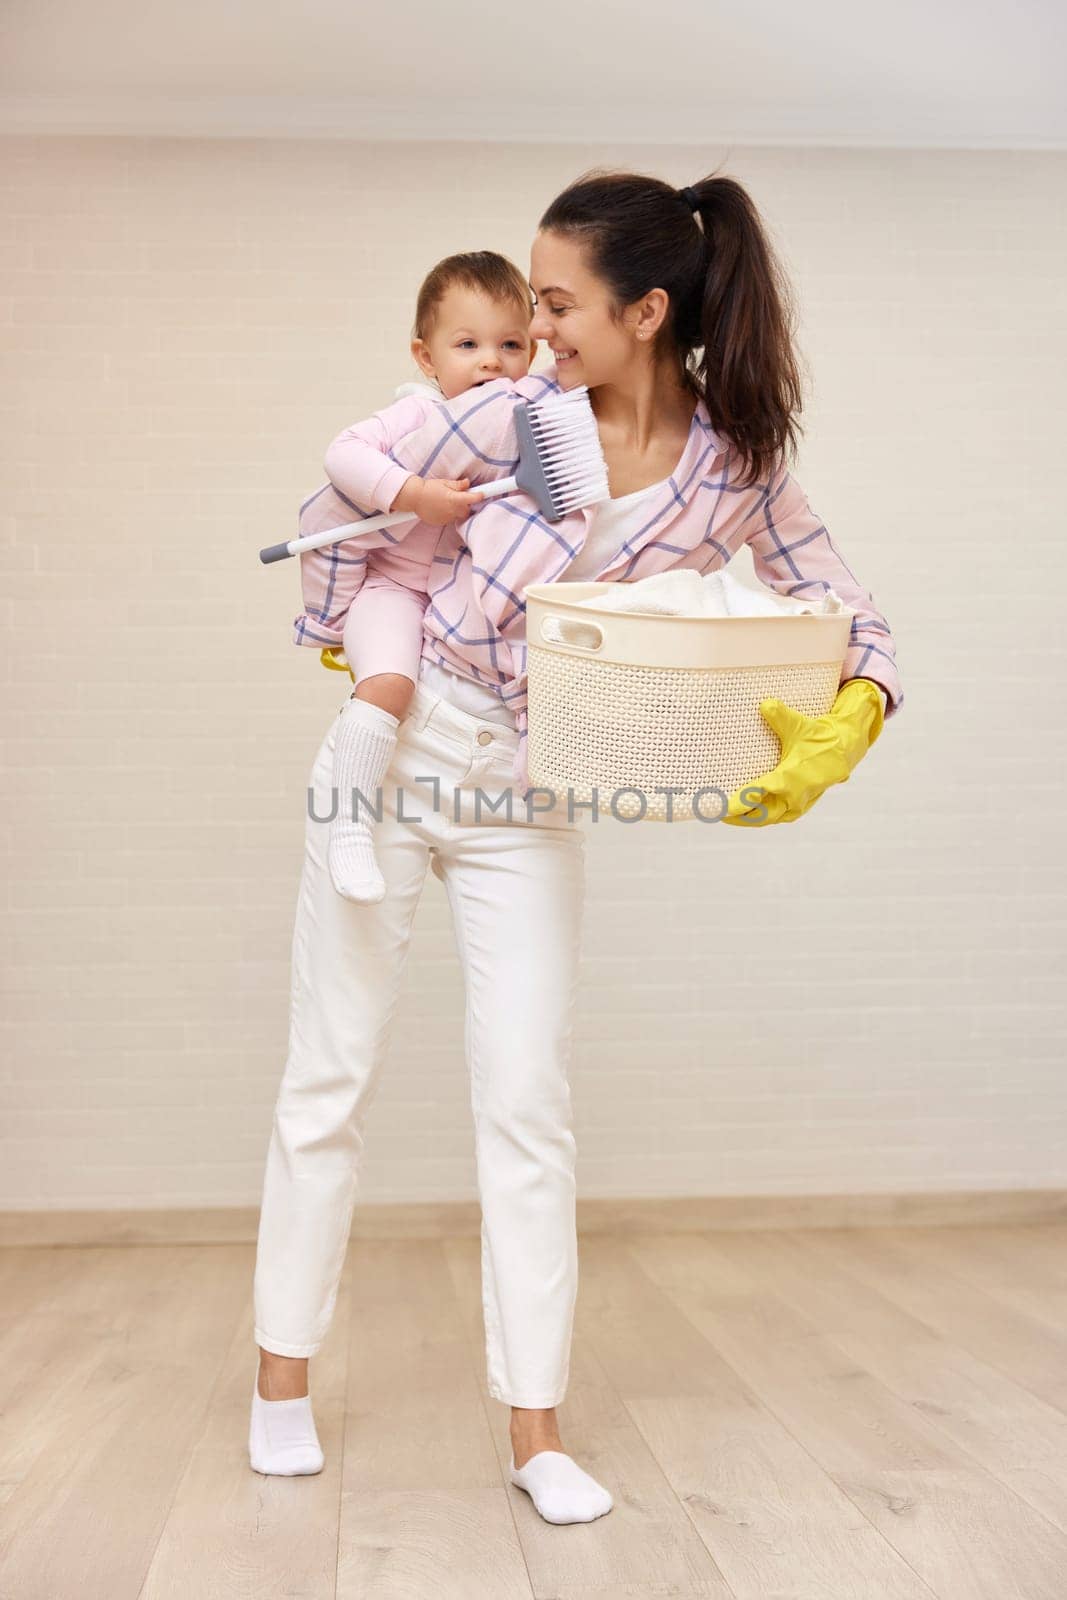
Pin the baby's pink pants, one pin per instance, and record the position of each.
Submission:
(383, 629)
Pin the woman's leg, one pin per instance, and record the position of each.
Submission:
(382, 642)
(516, 894)
(347, 967)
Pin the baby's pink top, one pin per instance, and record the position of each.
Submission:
(475, 623)
(358, 467)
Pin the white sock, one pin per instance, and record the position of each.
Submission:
(560, 1489)
(366, 738)
(282, 1438)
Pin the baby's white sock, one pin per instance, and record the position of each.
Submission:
(560, 1489)
(281, 1437)
(366, 738)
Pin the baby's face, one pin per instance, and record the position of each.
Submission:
(476, 339)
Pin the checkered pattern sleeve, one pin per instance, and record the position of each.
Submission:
(471, 436)
(792, 552)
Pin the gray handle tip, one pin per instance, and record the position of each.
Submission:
(274, 552)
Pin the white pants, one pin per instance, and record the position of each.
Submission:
(515, 890)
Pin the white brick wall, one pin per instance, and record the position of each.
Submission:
(868, 1001)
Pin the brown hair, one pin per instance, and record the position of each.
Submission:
(730, 322)
(484, 270)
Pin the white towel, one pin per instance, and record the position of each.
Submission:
(684, 593)
(727, 596)
(665, 594)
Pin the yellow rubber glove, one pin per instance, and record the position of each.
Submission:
(816, 753)
(328, 657)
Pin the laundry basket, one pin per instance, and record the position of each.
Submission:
(623, 705)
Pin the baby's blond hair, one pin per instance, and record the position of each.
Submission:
(484, 270)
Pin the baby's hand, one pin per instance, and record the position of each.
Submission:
(437, 500)
(442, 500)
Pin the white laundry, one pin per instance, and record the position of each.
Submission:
(683, 592)
(727, 596)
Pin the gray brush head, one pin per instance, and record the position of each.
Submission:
(561, 464)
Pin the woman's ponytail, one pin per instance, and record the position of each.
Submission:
(729, 327)
(747, 368)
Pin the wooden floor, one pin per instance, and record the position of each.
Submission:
(817, 1415)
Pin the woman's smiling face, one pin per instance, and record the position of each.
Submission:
(573, 316)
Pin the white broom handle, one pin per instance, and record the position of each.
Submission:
(387, 519)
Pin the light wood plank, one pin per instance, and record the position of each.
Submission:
(1029, 1351)
(58, 1306)
(1006, 1273)
(402, 1544)
(631, 1591)
(415, 1418)
(88, 1514)
(964, 1533)
(1016, 1436)
(776, 1524)
(1044, 1247)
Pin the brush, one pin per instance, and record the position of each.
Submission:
(561, 467)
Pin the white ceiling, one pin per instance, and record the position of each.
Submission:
(950, 73)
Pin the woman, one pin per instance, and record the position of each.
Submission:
(668, 305)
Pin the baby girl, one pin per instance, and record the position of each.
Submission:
(472, 322)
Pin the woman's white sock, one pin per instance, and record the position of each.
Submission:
(366, 738)
(281, 1437)
(560, 1489)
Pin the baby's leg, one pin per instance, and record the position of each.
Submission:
(383, 643)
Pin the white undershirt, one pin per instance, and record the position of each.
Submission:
(613, 522)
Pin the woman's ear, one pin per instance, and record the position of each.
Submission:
(649, 314)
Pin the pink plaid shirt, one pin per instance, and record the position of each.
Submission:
(476, 619)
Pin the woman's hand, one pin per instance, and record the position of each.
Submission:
(816, 753)
(437, 500)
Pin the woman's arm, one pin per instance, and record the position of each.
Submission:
(792, 553)
(877, 685)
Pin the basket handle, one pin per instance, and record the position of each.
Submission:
(570, 634)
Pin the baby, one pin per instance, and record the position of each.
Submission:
(472, 325)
